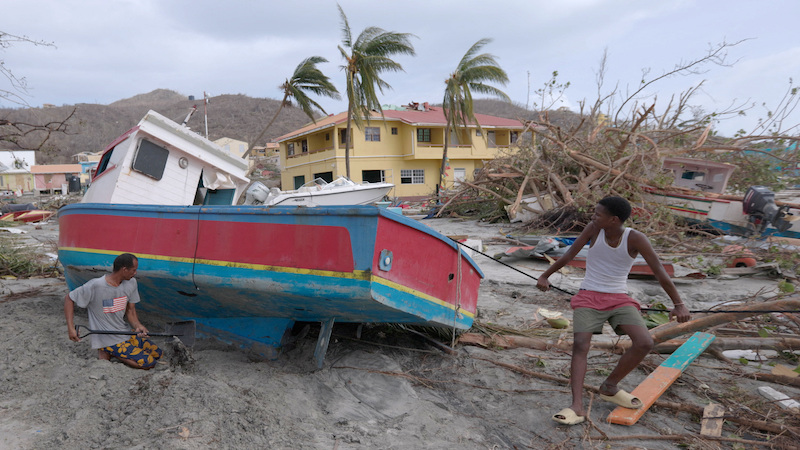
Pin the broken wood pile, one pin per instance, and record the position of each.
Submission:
(742, 326)
(556, 179)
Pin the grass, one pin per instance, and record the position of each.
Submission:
(21, 261)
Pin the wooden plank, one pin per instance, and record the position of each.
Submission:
(662, 378)
(712, 420)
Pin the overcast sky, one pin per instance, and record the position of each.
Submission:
(109, 50)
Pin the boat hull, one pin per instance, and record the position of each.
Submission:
(246, 269)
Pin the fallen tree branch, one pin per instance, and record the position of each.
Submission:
(690, 437)
(671, 330)
(618, 346)
(769, 427)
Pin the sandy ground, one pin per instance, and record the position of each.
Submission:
(390, 389)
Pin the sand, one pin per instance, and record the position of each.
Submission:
(388, 389)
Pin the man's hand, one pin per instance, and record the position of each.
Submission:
(681, 313)
(73, 334)
(140, 330)
(543, 283)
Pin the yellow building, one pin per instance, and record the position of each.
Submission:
(233, 146)
(404, 147)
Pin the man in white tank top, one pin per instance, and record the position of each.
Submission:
(604, 297)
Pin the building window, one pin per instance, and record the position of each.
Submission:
(492, 139)
(394, 131)
(304, 145)
(290, 149)
(372, 176)
(514, 136)
(423, 134)
(478, 133)
(343, 136)
(412, 176)
(372, 134)
(326, 176)
(327, 136)
(299, 180)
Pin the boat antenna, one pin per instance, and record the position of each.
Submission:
(205, 109)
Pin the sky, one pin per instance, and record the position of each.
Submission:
(103, 51)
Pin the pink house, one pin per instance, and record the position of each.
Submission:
(53, 177)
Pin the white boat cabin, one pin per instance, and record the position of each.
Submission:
(698, 174)
(159, 162)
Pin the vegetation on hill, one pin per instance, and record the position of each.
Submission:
(93, 126)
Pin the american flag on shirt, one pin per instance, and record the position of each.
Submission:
(115, 304)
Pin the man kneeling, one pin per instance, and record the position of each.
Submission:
(109, 300)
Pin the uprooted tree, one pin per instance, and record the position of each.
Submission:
(615, 146)
(15, 134)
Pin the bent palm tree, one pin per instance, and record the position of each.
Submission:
(306, 78)
(368, 56)
(471, 75)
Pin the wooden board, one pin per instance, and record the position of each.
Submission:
(662, 378)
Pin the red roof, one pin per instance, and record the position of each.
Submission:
(433, 116)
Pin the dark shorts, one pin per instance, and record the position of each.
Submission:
(591, 320)
(141, 351)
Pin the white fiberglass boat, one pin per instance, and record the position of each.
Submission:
(341, 191)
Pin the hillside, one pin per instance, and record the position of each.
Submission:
(95, 126)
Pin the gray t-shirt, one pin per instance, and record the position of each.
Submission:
(106, 305)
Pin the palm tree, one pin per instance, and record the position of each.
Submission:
(306, 78)
(366, 58)
(471, 75)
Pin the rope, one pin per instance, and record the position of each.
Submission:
(693, 311)
(458, 294)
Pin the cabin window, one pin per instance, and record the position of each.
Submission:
(151, 159)
(372, 134)
(693, 175)
(423, 134)
(290, 149)
(372, 176)
(103, 164)
(412, 176)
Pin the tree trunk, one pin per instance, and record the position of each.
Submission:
(440, 184)
(348, 140)
(260, 135)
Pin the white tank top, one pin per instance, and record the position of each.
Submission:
(607, 267)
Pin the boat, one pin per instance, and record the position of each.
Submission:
(698, 195)
(35, 215)
(248, 273)
(341, 191)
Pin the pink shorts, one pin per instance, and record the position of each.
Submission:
(602, 301)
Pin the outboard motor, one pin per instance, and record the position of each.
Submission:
(759, 205)
(256, 194)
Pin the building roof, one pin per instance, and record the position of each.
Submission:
(56, 168)
(431, 116)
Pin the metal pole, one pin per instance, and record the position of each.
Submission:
(205, 110)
